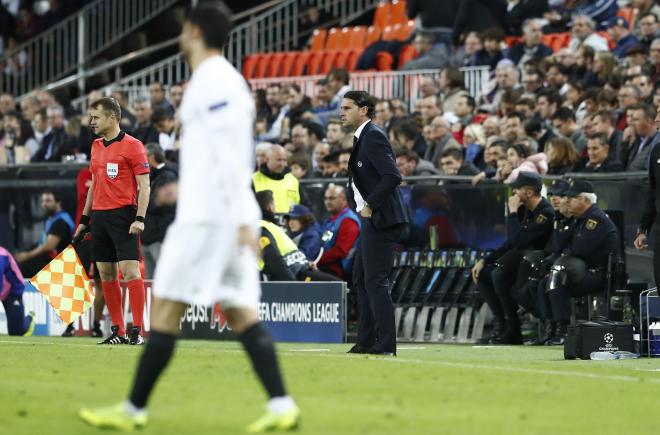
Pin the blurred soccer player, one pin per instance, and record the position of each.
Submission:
(214, 236)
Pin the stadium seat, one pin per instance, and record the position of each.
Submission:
(398, 13)
(341, 59)
(511, 40)
(630, 14)
(382, 14)
(405, 30)
(314, 63)
(353, 59)
(334, 40)
(318, 40)
(389, 34)
(384, 61)
(356, 38)
(262, 65)
(287, 63)
(407, 53)
(299, 63)
(328, 61)
(273, 67)
(250, 65)
(373, 35)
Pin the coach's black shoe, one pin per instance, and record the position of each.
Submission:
(358, 349)
(134, 336)
(560, 336)
(68, 332)
(380, 352)
(114, 338)
(549, 331)
(512, 335)
(499, 328)
(96, 330)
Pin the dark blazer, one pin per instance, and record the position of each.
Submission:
(372, 168)
(62, 146)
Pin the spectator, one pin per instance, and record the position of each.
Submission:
(520, 159)
(57, 143)
(508, 100)
(557, 76)
(495, 151)
(410, 164)
(336, 134)
(603, 123)
(161, 210)
(312, 18)
(428, 86)
(441, 139)
(315, 134)
(304, 231)
(547, 102)
(28, 23)
(168, 136)
(491, 53)
(464, 111)
(56, 236)
(321, 100)
(29, 107)
(464, 54)
(491, 126)
(337, 86)
(300, 141)
(407, 134)
(144, 131)
(7, 104)
(644, 7)
(648, 28)
(655, 60)
(430, 54)
(429, 108)
(492, 13)
(40, 126)
(637, 156)
(273, 114)
(452, 162)
(562, 156)
(532, 82)
(341, 234)
(321, 150)
(330, 167)
(474, 141)
(601, 69)
(531, 47)
(599, 156)
(176, 96)
(513, 127)
(584, 33)
(629, 96)
(645, 86)
(158, 100)
(506, 78)
(299, 105)
(17, 139)
(384, 115)
(46, 99)
(564, 122)
(452, 84)
(128, 120)
(300, 165)
(521, 11)
(274, 175)
(600, 11)
(617, 28)
(539, 131)
(344, 158)
(574, 93)
(526, 107)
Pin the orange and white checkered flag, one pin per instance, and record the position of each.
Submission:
(65, 285)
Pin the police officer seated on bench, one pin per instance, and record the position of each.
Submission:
(531, 294)
(582, 267)
(529, 226)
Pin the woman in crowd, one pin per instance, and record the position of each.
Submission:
(474, 141)
(520, 159)
(562, 156)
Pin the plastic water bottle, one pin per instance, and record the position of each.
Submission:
(601, 356)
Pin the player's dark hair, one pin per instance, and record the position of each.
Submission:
(56, 196)
(108, 104)
(214, 19)
(362, 99)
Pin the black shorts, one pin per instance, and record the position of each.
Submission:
(111, 241)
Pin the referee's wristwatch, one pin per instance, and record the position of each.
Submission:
(139, 218)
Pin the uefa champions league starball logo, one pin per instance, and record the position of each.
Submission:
(609, 338)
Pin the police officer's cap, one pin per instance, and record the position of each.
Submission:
(298, 211)
(528, 179)
(558, 187)
(577, 187)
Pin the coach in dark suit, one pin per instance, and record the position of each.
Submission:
(374, 192)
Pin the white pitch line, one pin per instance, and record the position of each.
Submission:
(398, 348)
(306, 350)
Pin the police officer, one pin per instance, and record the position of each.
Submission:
(535, 289)
(529, 227)
(582, 267)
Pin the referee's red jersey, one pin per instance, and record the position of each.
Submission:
(115, 164)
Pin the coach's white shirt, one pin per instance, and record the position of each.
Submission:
(217, 151)
(357, 196)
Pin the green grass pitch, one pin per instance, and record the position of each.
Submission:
(428, 389)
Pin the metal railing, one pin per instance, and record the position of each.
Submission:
(67, 46)
(274, 30)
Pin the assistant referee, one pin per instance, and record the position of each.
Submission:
(118, 199)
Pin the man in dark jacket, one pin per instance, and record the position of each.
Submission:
(161, 210)
(57, 143)
(531, 47)
(600, 159)
(452, 162)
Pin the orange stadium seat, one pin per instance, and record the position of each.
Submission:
(398, 12)
(382, 14)
(299, 63)
(341, 59)
(384, 61)
(318, 39)
(630, 14)
(287, 63)
(511, 40)
(373, 35)
(548, 39)
(250, 65)
(273, 67)
(353, 59)
(407, 53)
(314, 63)
(334, 39)
(327, 62)
(262, 65)
(561, 41)
(389, 34)
(406, 29)
(357, 37)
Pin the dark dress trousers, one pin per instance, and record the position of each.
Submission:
(372, 170)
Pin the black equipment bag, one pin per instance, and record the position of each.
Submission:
(597, 335)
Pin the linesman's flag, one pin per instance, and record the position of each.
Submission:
(65, 285)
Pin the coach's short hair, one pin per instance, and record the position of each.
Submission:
(155, 150)
(214, 19)
(362, 99)
(108, 105)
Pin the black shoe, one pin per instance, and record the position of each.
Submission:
(68, 332)
(560, 336)
(549, 331)
(134, 336)
(512, 336)
(499, 328)
(374, 351)
(96, 330)
(358, 349)
(114, 338)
